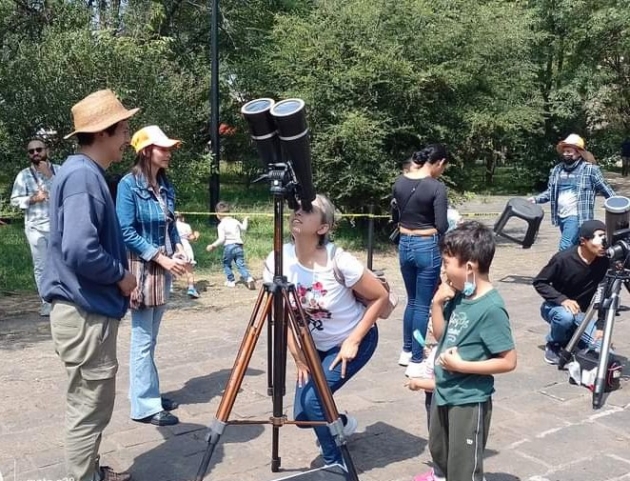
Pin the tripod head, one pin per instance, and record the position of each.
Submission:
(283, 183)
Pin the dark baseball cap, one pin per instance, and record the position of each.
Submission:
(588, 228)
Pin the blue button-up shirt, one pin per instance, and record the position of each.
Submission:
(590, 182)
(145, 225)
(26, 185)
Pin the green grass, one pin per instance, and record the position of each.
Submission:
(16, 271)
(16, 268)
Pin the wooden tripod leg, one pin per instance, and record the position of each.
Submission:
(299, 328)
(260, 313)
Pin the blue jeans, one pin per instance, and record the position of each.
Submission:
(563, 325)
(308, 407)
(144, 383)
(420, 262)
(569, 228)
(234, 253)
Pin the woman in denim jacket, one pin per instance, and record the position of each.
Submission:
(145, 203)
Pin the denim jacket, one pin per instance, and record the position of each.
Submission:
(141, 217)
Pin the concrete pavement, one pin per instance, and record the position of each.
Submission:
(543, 429)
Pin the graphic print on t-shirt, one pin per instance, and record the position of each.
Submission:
(457, 323)
(310, 298)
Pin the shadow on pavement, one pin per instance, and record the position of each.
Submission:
(516, 279)
(501, 477)
(382, 444)
(180, 455)
(202, 389)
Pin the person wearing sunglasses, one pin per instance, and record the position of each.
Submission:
(30, 193)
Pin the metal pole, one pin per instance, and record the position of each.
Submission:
(214, 182)
(370, 253)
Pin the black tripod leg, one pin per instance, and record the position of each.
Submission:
(299, 327)
(566, 352)
(604, 354)
(245, 352)
(279, 375)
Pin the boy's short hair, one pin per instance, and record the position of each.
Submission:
(470, 241)
(222, 207)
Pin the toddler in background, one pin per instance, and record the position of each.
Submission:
(229, 230)
(187, 235)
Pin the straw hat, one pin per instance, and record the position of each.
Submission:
(576, 142)
(98, 111)
(152, 135)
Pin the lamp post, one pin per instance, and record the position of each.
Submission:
(213, 182)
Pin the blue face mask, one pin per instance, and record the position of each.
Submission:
(469, 287)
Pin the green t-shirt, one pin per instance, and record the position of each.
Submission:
(480, 329)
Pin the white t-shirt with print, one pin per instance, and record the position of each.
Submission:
(332, 310)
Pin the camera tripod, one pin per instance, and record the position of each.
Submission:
(278, 304)
(605, 303)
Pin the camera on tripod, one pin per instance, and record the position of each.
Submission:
(618, 230)
(601, 370)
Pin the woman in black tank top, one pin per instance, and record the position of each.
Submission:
(422, 204)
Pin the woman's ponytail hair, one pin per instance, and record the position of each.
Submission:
(432, 153)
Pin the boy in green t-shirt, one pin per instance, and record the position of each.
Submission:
(475, 342)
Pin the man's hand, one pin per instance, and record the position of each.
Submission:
(39, 196)
(599, 334)
(209, 248)
(572, 306)
(127, 284)
(531, 199)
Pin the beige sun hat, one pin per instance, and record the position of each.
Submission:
(152, 135)
(98, 111)
(577, 142)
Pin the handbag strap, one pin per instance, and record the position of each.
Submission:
(339, 277)
(413, 191)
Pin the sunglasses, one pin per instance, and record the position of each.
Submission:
(36, 149)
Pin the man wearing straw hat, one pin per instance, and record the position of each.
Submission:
(573, 184)
(87, 281)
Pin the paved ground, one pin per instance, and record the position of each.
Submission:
(543, 429)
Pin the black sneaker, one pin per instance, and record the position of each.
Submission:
(552, 353)
(163, 418)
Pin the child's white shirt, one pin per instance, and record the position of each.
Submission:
(229, 230)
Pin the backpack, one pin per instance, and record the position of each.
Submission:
(583, 369)
(392, 300)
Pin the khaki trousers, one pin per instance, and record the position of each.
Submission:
(86, 343)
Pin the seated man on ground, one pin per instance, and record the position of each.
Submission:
(567, 284)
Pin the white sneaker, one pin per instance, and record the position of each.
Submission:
(351, 425)
(404, 359)
(349, 429)
(229, 284)
(416, 369)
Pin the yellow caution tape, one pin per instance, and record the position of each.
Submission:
(270, 214)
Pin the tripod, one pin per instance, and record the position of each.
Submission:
(278, 304)
(605, 302)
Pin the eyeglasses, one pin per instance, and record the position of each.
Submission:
(36, 149)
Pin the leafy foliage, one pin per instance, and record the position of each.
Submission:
(498, 81)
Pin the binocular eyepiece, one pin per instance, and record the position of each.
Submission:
(280, 132)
